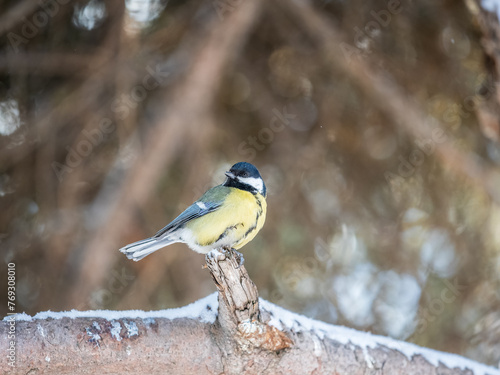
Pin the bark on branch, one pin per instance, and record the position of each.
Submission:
(241, 338)
(239, 314)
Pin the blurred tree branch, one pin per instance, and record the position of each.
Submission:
(16, 14)
(389, 96)
(488, 109)
(48, 64)
(180, 120)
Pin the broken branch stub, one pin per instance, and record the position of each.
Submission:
(239, 314)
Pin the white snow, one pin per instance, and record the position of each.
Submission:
(94, 337)
(115, 330)
(205, 310)
(40, 330)
(282, 318)
(492, 6)
(132, 329)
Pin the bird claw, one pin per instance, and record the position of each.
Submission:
(241, 259)
(239, 256)
(223, 252)
(217, 255)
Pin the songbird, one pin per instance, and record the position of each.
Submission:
(227, 216)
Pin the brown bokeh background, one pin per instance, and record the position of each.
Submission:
(374, 125)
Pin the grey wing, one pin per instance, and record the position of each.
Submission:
(197, 209)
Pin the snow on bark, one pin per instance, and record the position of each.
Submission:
(224, 332)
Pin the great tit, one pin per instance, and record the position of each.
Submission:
(228, 216)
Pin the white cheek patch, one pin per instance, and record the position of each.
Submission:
(256, 183)
(201, 205)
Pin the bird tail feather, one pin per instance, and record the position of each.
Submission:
(143, 248)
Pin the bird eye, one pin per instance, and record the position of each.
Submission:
(244, 174)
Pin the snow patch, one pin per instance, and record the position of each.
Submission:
(492, 6)
(368, 358)
(317, 346)
(115, 330)
(18, 317)
(204, 310)
(149, 321)
(282, 318)
(132, 329)
(40, 330)
(94, 337)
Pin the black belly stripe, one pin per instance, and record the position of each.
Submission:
(250, 230)
(260, 204)
(226, 232)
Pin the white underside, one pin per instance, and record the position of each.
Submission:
(185, 235)
(143, 248)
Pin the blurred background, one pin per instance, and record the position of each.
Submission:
(374, 124)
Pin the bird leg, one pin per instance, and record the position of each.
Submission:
(227, 249)
(241, 259)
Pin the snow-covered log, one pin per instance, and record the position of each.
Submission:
(222, 333)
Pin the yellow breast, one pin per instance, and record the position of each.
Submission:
(234, 224)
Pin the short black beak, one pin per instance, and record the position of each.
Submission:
(230, 174)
